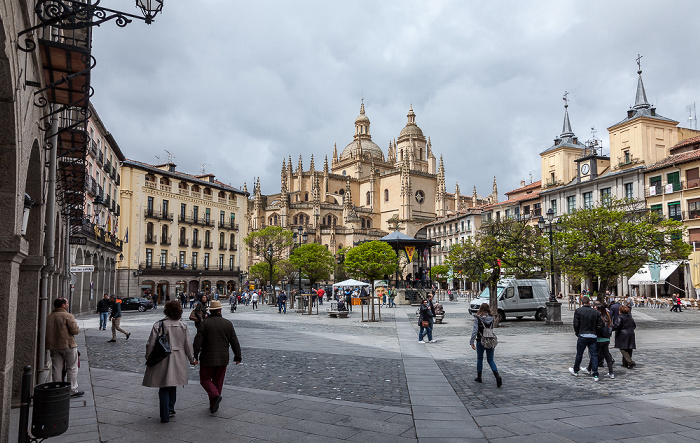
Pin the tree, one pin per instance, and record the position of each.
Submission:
(339, 272)
(616, 238)
(440, 273)
(270, 243)
(314, 261)
(261, 271)
(371, 261)
(509, 244)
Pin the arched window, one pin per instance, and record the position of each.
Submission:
(232, 239)
(386, 195)
(207, 237)
(221, 238)
(369, 198)
(183, 234)
(195, 235)
(369, 223)
(420, 154)
(341, 192)
(149, 229)
(306, 196)
(164, 232)
(273, 220)
(363, 223)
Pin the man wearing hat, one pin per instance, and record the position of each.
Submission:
(211, 344)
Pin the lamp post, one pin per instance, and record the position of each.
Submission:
(270, 256)
(300, 237)
(553, 306)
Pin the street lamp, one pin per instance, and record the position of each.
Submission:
(301, 237)
(270, 256)
(549, 224)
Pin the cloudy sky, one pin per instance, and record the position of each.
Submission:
(240, 86)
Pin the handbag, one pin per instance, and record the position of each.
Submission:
(162, 348)
(193, 315)
(488, 337)
(425, 323)
(606, 331)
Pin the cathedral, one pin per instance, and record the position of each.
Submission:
(362, 194)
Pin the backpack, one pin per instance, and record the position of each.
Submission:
(488, 337)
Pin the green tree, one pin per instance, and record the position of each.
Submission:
(371, 261)
(314, 261)
(439, 273)
(616, 238)
(269, 244)
(510, 245)
(261, 271)
(339, 272)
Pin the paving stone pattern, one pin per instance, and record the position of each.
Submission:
(380, 381)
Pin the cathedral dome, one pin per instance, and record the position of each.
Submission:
(411, 129)
(368, 147)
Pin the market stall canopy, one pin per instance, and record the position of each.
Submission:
(644, 275)
(350, 282)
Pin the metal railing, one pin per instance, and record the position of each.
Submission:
(151, 239)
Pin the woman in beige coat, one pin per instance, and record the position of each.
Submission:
(173, 370)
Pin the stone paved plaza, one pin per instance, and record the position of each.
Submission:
(315, 378)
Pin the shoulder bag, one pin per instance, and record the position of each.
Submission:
(488, 337)
(162, 348)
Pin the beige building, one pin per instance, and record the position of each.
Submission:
(184, 232)
(364, 192)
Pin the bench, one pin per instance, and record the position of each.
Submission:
(334, 312)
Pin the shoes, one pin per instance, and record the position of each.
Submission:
(164, 421)
(128, 334)
(172, 413)
(574, 373)
(631, 366)
(433, 341)
(421, 341)
(586, 371)
(611, 375)
(112, 341)
(77, 394)
(215, 404)
(595, 378)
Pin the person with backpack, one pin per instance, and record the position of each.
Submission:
(484, 339)
(603, 343)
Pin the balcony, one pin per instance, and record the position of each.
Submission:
(164, 187)
(119, 179)
(151, 239)
(108, 201)
(118, 211)
(149, 184)
(626, 160)
(165, 240)
(99, 158)
(208, 222)
(223, 246)
(207, 197)
(160, 215)
(193, 266)
(208, 245)
(93, 148)
(196, 243)
(114, 206)
(108, 168)
(90, 185)
(183, 191)
(552, 183)
(183, 242)
(233, 248)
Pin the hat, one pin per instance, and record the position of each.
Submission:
(215, 305)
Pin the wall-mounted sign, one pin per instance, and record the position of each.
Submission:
(83, 268)
(78, 241)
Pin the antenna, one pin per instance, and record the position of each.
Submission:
(170, 155)
(692, 116)
(203, 168)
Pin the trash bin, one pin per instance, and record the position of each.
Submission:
(51, 409)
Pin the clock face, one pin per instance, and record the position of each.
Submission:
(585, 168)
(420, 197)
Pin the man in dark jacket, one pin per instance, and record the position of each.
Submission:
(115, 316)
(614, 310)
(103, 310)
(587, 324)
(214, 336)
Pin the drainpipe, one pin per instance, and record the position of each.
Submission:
(69, 278)
(49, 248)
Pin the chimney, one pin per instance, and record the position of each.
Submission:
(653, 111)
(522, 183)
(630, 113)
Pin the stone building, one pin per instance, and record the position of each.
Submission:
(363, 192)
(96, 239)
(184, 232)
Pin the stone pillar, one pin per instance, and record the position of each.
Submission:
(554, 313)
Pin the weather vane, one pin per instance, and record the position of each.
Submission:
(639, 62)
(566, 99)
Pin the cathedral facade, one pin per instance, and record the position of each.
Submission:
(363, 194)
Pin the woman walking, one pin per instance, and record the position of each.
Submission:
(424, 322)
(624, 336)
(173, 370)
(483, 319)
(199, 312)
(603, 342)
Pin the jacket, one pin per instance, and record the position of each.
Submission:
(478, 328)
(615, 311)
(61, 328)
(426, 314)
(174, 369)
(214, 336)
(103, 305)
(624, 332)
(587, 321)
(116, 310)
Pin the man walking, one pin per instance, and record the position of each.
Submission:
(61, 329)
(282, 302)
(103, 310)
(211, 345)
(116, 317)
(587, 324)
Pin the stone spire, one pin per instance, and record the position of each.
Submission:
(566, 128)
(347, 196)
(300, 167)
(640, 100)
(325, 166)
(316, 190)
(458, 201)
(441, 188)
(429, 150)
(494, 193)
(284, 178)
(475, 197)
(245, 187)
(335, 153)
(312, 168)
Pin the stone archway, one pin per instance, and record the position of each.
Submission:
(193, 286)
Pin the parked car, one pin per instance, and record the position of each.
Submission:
(517, 298)
(136, 303)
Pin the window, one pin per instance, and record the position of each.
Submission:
(273, 220)
(692, 178)
(674, 211)
(537, 209)
(674, 179)
(182, 236)
(222, 217)
(194, 260)
(232, 240)
(655, 185)
(195, 236)
(149, 205)
(230, 262)
(206, 261)
(207, 238)
(221, 262)
(164, 234)
(369, 198)
(627, 158)
(207, 215)
(183, 210)
(605, 194)
(163, 259)
(587, 200)
(195, 213)
(525, 292)
(571, 204)
(462, 225)
(386, 195)
(509, 293)
(306, 196)
(149, 258)
(694, 208)
(629, 191)
(165, 208)
(657, 209)
(222, 239)
(182, 259)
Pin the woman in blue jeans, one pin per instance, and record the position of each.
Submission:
(483, 319)
(425, 316)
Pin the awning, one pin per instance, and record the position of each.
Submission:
(643, 276)
(350, 282)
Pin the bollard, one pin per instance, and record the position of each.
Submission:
(23, 435)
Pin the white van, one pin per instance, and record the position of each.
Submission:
(517, 298)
